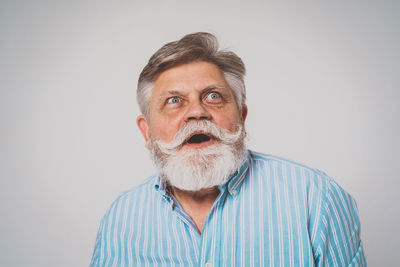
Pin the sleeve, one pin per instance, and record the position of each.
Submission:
(96, 252)
(338, 240)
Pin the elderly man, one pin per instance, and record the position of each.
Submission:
(213, 202)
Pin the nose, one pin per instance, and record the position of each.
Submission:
(196, 111)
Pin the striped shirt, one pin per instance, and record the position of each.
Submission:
(271, 212)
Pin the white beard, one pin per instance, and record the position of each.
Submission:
(195, 169)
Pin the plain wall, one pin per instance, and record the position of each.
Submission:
(323, 90)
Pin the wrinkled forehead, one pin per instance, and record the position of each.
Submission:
(191, 77)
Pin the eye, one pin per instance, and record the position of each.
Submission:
(174, 100)
(213, 97)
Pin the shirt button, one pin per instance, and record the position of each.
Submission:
(234, 191)
(208, 264)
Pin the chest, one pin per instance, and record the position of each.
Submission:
(242, 230)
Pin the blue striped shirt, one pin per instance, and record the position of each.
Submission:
(272, 212)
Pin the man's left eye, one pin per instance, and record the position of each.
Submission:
(213, 96)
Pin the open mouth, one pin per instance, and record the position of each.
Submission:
(198, 138)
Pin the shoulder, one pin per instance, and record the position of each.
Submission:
(132, 197)
(122, 217)
(333, 222)
(257, 156)
(284, 170)
(143, 188)
(320, 190)
(127, 207)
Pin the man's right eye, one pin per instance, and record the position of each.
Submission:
(173, 100)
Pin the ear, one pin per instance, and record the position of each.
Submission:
(244, 112)
(141, 122)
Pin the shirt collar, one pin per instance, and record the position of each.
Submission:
(161, 186)
(232, 184)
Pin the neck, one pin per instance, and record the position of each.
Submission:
(197, 204)
(196, 196)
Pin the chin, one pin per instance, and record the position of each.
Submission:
(194, 169)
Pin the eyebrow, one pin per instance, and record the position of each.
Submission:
(169, 92)
(214, 86)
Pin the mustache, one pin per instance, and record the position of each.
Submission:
(204, 126)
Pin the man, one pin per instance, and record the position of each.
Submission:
(213, 202)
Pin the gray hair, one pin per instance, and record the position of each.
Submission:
(200, 46)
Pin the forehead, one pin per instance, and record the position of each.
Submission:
(191, 76)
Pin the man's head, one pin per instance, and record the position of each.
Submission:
(194, 47)
(192, 97)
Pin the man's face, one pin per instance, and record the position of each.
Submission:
(193, 91)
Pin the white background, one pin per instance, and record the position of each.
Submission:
(323, 90)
